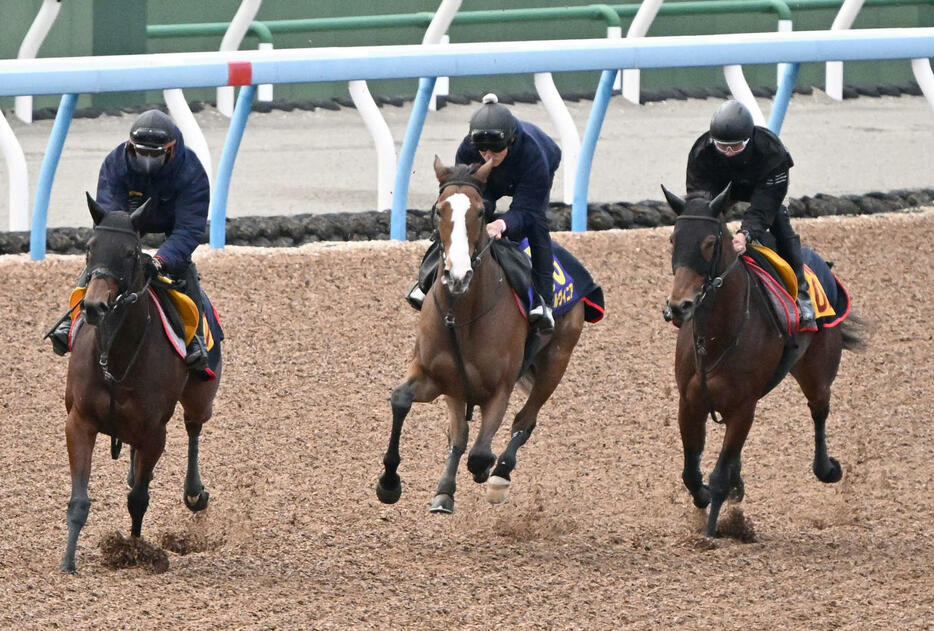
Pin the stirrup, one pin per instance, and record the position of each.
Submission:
(197, 355)
(541, 318)
(415, 297)
(59, 338)
(807, 318)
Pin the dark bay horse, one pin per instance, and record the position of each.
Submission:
(729, 353)
(124, 376)
(469, 347)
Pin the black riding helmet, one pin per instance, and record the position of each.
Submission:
(152, 142)
(492, 126)
(731, 123)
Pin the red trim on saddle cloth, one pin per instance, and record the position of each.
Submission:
(176, 341)
(771, 285)
(519, 306)
(594, 305)
(846, 294)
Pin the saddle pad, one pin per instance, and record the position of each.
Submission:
(572, 284)
(829, 297)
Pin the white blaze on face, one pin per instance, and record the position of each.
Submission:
(458, 261)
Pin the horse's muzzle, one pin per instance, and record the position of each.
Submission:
(94, 311)
(457, 286)
(678, 312)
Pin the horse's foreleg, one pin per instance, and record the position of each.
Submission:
(196, 496)
(80, 437)
(137, 500)
(443, 501)
(389, 485)
(726, 471)
(481, 457)
(129, 471)
(692, 423)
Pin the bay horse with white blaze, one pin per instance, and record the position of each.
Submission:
(729, 353)
(469, 347)
(124, 375)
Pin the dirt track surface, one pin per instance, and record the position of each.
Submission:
(598, 533)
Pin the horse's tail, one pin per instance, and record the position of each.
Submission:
(855, 331)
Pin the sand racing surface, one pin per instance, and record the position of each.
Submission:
(598, 533)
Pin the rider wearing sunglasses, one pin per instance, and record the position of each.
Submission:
(524, 161)
(155, 164)
(756, 162)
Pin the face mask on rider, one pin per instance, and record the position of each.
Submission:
(147, 160)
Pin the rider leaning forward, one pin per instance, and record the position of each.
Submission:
(155, 164)
(751, 158)
(524, 163)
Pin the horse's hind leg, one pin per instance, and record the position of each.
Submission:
(443, 501)
(415, 388)
(815, 373)
(196, 496)
(137, 500)
(198, 403)
(550, 368)
(80, 438)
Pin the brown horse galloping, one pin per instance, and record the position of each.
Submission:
(124, 376)
(469, 347)
(729, 354)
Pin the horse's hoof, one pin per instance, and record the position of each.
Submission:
(388, 495)
(737, 493)
(198, 502)
(443, 503)
(830, 474)
(68, 566)
(480, 465)
(702, 497)
(497, 489)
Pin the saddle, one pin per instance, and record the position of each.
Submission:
(780, 286)
(178, 312)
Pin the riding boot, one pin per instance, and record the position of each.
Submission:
(62, 332)
(794, 258)
(196, 353)
(427, 271)
(540, 316)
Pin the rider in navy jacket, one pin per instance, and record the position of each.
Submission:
(155, 164)
(524, 163)
(180, 196)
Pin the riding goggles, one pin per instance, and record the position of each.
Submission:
(730, 148)
(150, 151)
(489, 140)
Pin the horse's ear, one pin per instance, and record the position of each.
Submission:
(718, 201)
(483, 172)
(139, 216)
(97, 213)
(676, 203)
(441, 171)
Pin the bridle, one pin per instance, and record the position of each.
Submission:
(117, 312)
(447, 318)
(705, 296)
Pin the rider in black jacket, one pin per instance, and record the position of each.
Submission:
(752, 159)
(524, 160)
